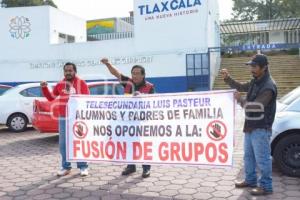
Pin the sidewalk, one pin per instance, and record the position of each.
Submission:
(29, 162)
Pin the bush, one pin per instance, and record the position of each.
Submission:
(293, 51)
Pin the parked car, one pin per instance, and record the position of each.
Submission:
(45, 114)
(4, 88)
(16, 105)
(287, 99)
(285, 141)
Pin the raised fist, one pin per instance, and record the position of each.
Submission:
(224, 73)
(43, 84)
(105, 61)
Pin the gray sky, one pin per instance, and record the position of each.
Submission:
(95, 9)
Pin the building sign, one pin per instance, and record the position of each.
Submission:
(170, 25)
(100, 26)
(167, 9)
(258, 46)
(92, 62)
(253, 47)
(166, 6)
(20, 27)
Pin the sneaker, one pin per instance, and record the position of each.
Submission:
(146, 173)
(84, 172)
(63, 172)
(128, 170)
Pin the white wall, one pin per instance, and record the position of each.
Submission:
(213, 23)
(87, 57)
(122, 26)
(45, 25)
(61, 22)
(35, 59)
(215, 62)
(159, 45)
(213, 39)
(170, 30)
(37, 28)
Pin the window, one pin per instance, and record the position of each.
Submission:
(32, 92)
(70, 39)
(64, 38)
(3, 89)
(190, 61)
(197, 64)
(292, 36)
(119, 89)
(111, 89)
(205, 64)
(61, 38)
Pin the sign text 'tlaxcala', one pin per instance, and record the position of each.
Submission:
(165, 6)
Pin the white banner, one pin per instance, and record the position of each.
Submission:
(183, 128)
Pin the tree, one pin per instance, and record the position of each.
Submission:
(20, 3)
(246, 10)
(290, 8)
(269, 9)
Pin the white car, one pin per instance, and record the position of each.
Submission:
(16, 105)
(285, 141)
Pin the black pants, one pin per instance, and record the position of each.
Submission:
(145, 167)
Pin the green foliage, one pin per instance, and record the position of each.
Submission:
(248, 10)
(21, 3)
(245, 10)
(290, 8)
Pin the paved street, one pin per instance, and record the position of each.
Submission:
(29, 162)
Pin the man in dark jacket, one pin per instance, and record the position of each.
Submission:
(260, 108)
(134, 85)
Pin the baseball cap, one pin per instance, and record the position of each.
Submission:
(258, 59)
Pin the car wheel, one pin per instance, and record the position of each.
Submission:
(287, 154)
(17, 122)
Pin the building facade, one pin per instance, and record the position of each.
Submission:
(171, 39)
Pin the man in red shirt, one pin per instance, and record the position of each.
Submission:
(71, 84)
(134, 85)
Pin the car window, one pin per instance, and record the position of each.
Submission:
(119, 89)
(111, 89)
(101, 89)
(2, 90)
(32, 92)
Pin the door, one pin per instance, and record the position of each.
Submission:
(198, 72)
(27, 96)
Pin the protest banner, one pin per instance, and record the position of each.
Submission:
(184, 128)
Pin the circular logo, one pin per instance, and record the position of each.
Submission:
(19, 27)
(80, 130)
(216, 130)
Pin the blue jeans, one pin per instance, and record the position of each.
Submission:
(62, 147)
(257, 152)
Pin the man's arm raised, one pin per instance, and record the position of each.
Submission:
(241, 87)
(112, 69)
(46, 92)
